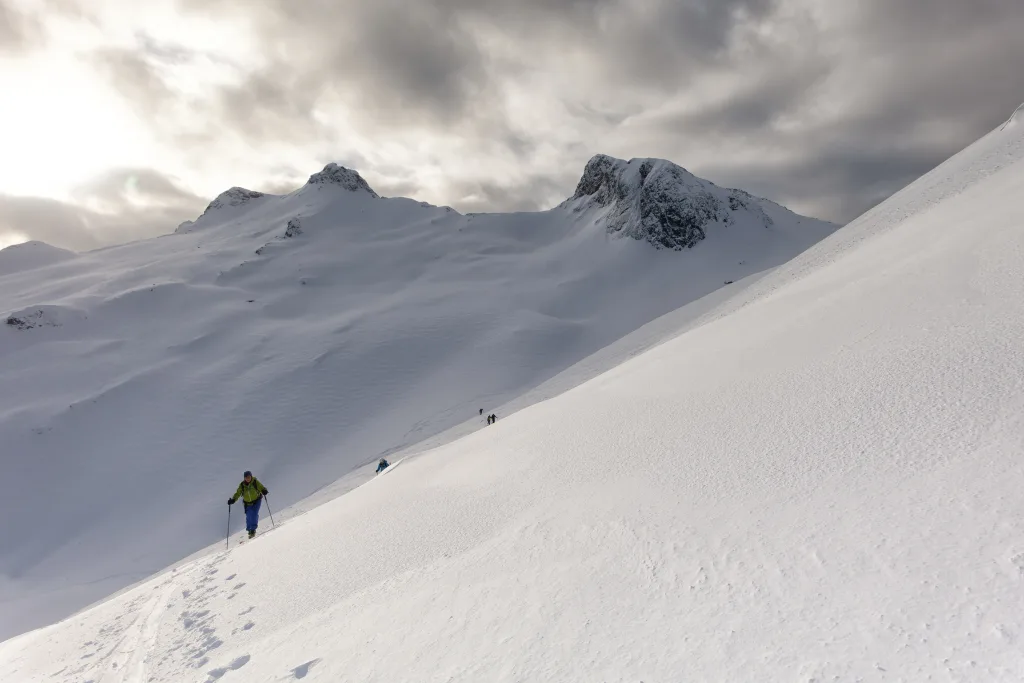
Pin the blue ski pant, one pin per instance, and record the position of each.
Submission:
(252, 514)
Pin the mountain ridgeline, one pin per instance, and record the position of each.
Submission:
(651, 200)
(303, 335)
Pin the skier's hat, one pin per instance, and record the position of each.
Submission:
(247, 474)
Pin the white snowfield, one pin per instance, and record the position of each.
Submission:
(819, 479)
(302, 336)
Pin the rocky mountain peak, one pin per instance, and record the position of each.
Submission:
(657, 201)
(233, 197)
(346, 178)
(236, 196)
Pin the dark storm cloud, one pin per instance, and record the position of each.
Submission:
(830, 110)
(755, 106)
(834, 181)
(390, 60)
(929, 77)
(433, 58)
(431, 64)
(277, 104)
(120, 206)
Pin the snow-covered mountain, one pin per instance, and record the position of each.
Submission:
(816, 479)
(302, 336)
(657, 201)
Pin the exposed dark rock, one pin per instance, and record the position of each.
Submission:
(658, 201)
(346, 178)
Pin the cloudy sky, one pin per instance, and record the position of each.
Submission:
(121, 118)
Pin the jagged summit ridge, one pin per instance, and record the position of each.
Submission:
(657, 201)
(346, 178)
(235, 196)
(332, 174)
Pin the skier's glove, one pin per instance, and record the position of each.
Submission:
(265, 492)
(231, 501)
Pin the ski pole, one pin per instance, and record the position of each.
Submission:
(227, 539)
(269, 512)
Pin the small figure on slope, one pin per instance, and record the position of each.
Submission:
(381, 465)
(492, 418)
(251, 491)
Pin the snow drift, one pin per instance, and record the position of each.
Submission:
(819, 480)
(302, 336)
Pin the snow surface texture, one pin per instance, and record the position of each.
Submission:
(300, 336)
(818, 480)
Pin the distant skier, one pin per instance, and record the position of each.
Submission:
(251, 491)
(481, 411)
(382, 465)
(493, 418)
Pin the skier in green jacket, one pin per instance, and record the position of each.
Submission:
(251, 491)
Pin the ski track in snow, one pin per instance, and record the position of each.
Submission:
(145, 638)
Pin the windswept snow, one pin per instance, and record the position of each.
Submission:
(1014, 118)
(300, 336)
(29, 255)
(818, 480)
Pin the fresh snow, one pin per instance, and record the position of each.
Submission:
(817, 479)
(304, 336)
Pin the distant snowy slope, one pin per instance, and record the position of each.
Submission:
(29, 255)
(301, 336)
(819, 480)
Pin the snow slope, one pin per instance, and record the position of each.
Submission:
(819, 480)
(29, 255)
(302, 336)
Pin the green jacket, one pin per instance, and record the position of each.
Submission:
(249, 492)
